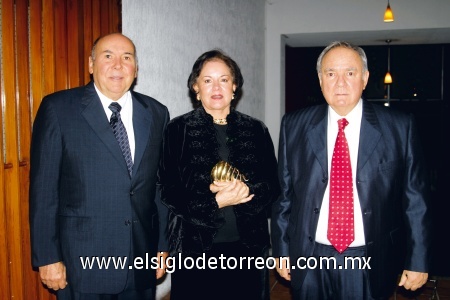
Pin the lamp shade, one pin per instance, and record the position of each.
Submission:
(388, 78)
(388, 14)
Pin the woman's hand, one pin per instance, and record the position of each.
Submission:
(231, 192)
(217, 186)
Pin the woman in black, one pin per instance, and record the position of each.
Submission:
(212, 218)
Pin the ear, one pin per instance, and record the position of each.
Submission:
(91, 65)
(195, 87)
(365, 79)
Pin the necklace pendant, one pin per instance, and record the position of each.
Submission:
(220, 121)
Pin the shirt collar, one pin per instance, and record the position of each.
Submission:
(107, 101)
(352, 117)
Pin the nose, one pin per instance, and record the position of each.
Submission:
(117, 63)
(340, 81)
(216, 85)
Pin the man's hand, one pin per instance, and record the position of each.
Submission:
(53, 276)
(284, 269)
(162, 264)
(413, 280)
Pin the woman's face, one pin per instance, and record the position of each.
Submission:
(215, 88)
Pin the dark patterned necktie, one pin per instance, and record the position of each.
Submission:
(121, 134)
(340, 219)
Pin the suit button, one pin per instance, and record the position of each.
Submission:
(131, 193)
(324, 180)
(310, 239)
(127, 222)
(316, 210)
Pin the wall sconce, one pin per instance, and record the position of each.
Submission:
(388, 77)
(388, 14)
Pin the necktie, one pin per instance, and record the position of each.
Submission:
(340, 219)
(121, 134)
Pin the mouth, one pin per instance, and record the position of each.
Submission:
(216, 97)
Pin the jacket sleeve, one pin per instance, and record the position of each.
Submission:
(281, 208)
(416, 205)
(195, 206)
(163, 212)
(265, 185)
(46, 154)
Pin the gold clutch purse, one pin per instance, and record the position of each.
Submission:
(223, 171)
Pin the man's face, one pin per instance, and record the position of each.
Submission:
(114, 66)
(342, 79)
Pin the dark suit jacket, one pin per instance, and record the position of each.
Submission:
(391, 184)
(83, 202)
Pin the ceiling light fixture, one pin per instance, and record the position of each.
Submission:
(388, 77)
(388, 14)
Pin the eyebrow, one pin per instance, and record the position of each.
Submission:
(219, 76)
(347, 69)
(126, 53)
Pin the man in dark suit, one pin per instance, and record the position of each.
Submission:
(384, 188)
(91, 198)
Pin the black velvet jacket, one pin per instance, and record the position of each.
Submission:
(190, 152)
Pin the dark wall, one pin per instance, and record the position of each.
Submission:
(420, 72)
(421, 86)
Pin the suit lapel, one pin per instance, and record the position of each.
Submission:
(142, 123)
(94, 115)
(369, 134)
(317, 136)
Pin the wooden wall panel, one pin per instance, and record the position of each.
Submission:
(96, 19)
(23, 124)
(36, 56)
(74, 38)
(103, 18)
(45, 46)
(48, 46)
(59, 12)
(88, 36)
(4, 254)
(11, 179)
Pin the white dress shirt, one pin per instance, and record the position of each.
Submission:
(126, 114)
(352, 134)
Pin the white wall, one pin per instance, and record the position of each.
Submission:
(171, 34)
(334, 16)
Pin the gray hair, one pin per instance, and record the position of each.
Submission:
(342, 44)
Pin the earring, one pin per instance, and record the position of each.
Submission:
(198, 97)
(232, 97)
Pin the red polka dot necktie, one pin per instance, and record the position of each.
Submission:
(340, 219)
